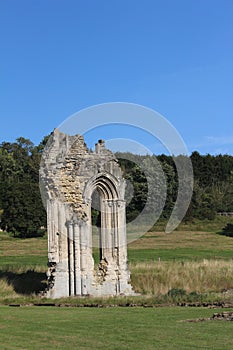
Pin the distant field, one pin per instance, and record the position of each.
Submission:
(112, 328)
(198, 225)
(158, 261)
(17, 252)
(181, 245)
(204, 242)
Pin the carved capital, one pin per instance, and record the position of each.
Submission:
(120, 203)
(69, 223)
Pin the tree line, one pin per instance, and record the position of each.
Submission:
(23, 214)
(212, 190)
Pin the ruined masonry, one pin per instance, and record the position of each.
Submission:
(70, 174)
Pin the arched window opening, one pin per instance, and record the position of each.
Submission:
(96, 227)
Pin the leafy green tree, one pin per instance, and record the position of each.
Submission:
(20, 201)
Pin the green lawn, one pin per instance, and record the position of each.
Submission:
(181, 245)
(112, 328)
(136, 255)
(29, 261)
(108, 328)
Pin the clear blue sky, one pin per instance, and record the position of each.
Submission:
(174, 56)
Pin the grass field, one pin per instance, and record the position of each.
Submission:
(196, 261)
(187, 243)
(189, 261)
(112, 328)
(181, 245)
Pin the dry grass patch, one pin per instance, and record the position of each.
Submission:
(7, 290)
(201, 277)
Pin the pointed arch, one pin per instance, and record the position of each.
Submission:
(106, 183)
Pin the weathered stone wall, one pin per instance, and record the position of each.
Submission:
(69, 175)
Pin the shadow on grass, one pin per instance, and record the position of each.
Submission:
(27, 283)
(227, 230)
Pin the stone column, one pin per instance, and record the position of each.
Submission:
(122, 247)
(77, 259)
(106, 229)
(49, 226)
(62, 231)
(115, 224)
(51, 216)
(71, 257)
(83, 256)
(109, 224)
(122, 241)
(114, 243)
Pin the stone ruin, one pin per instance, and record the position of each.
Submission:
(70, 175)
